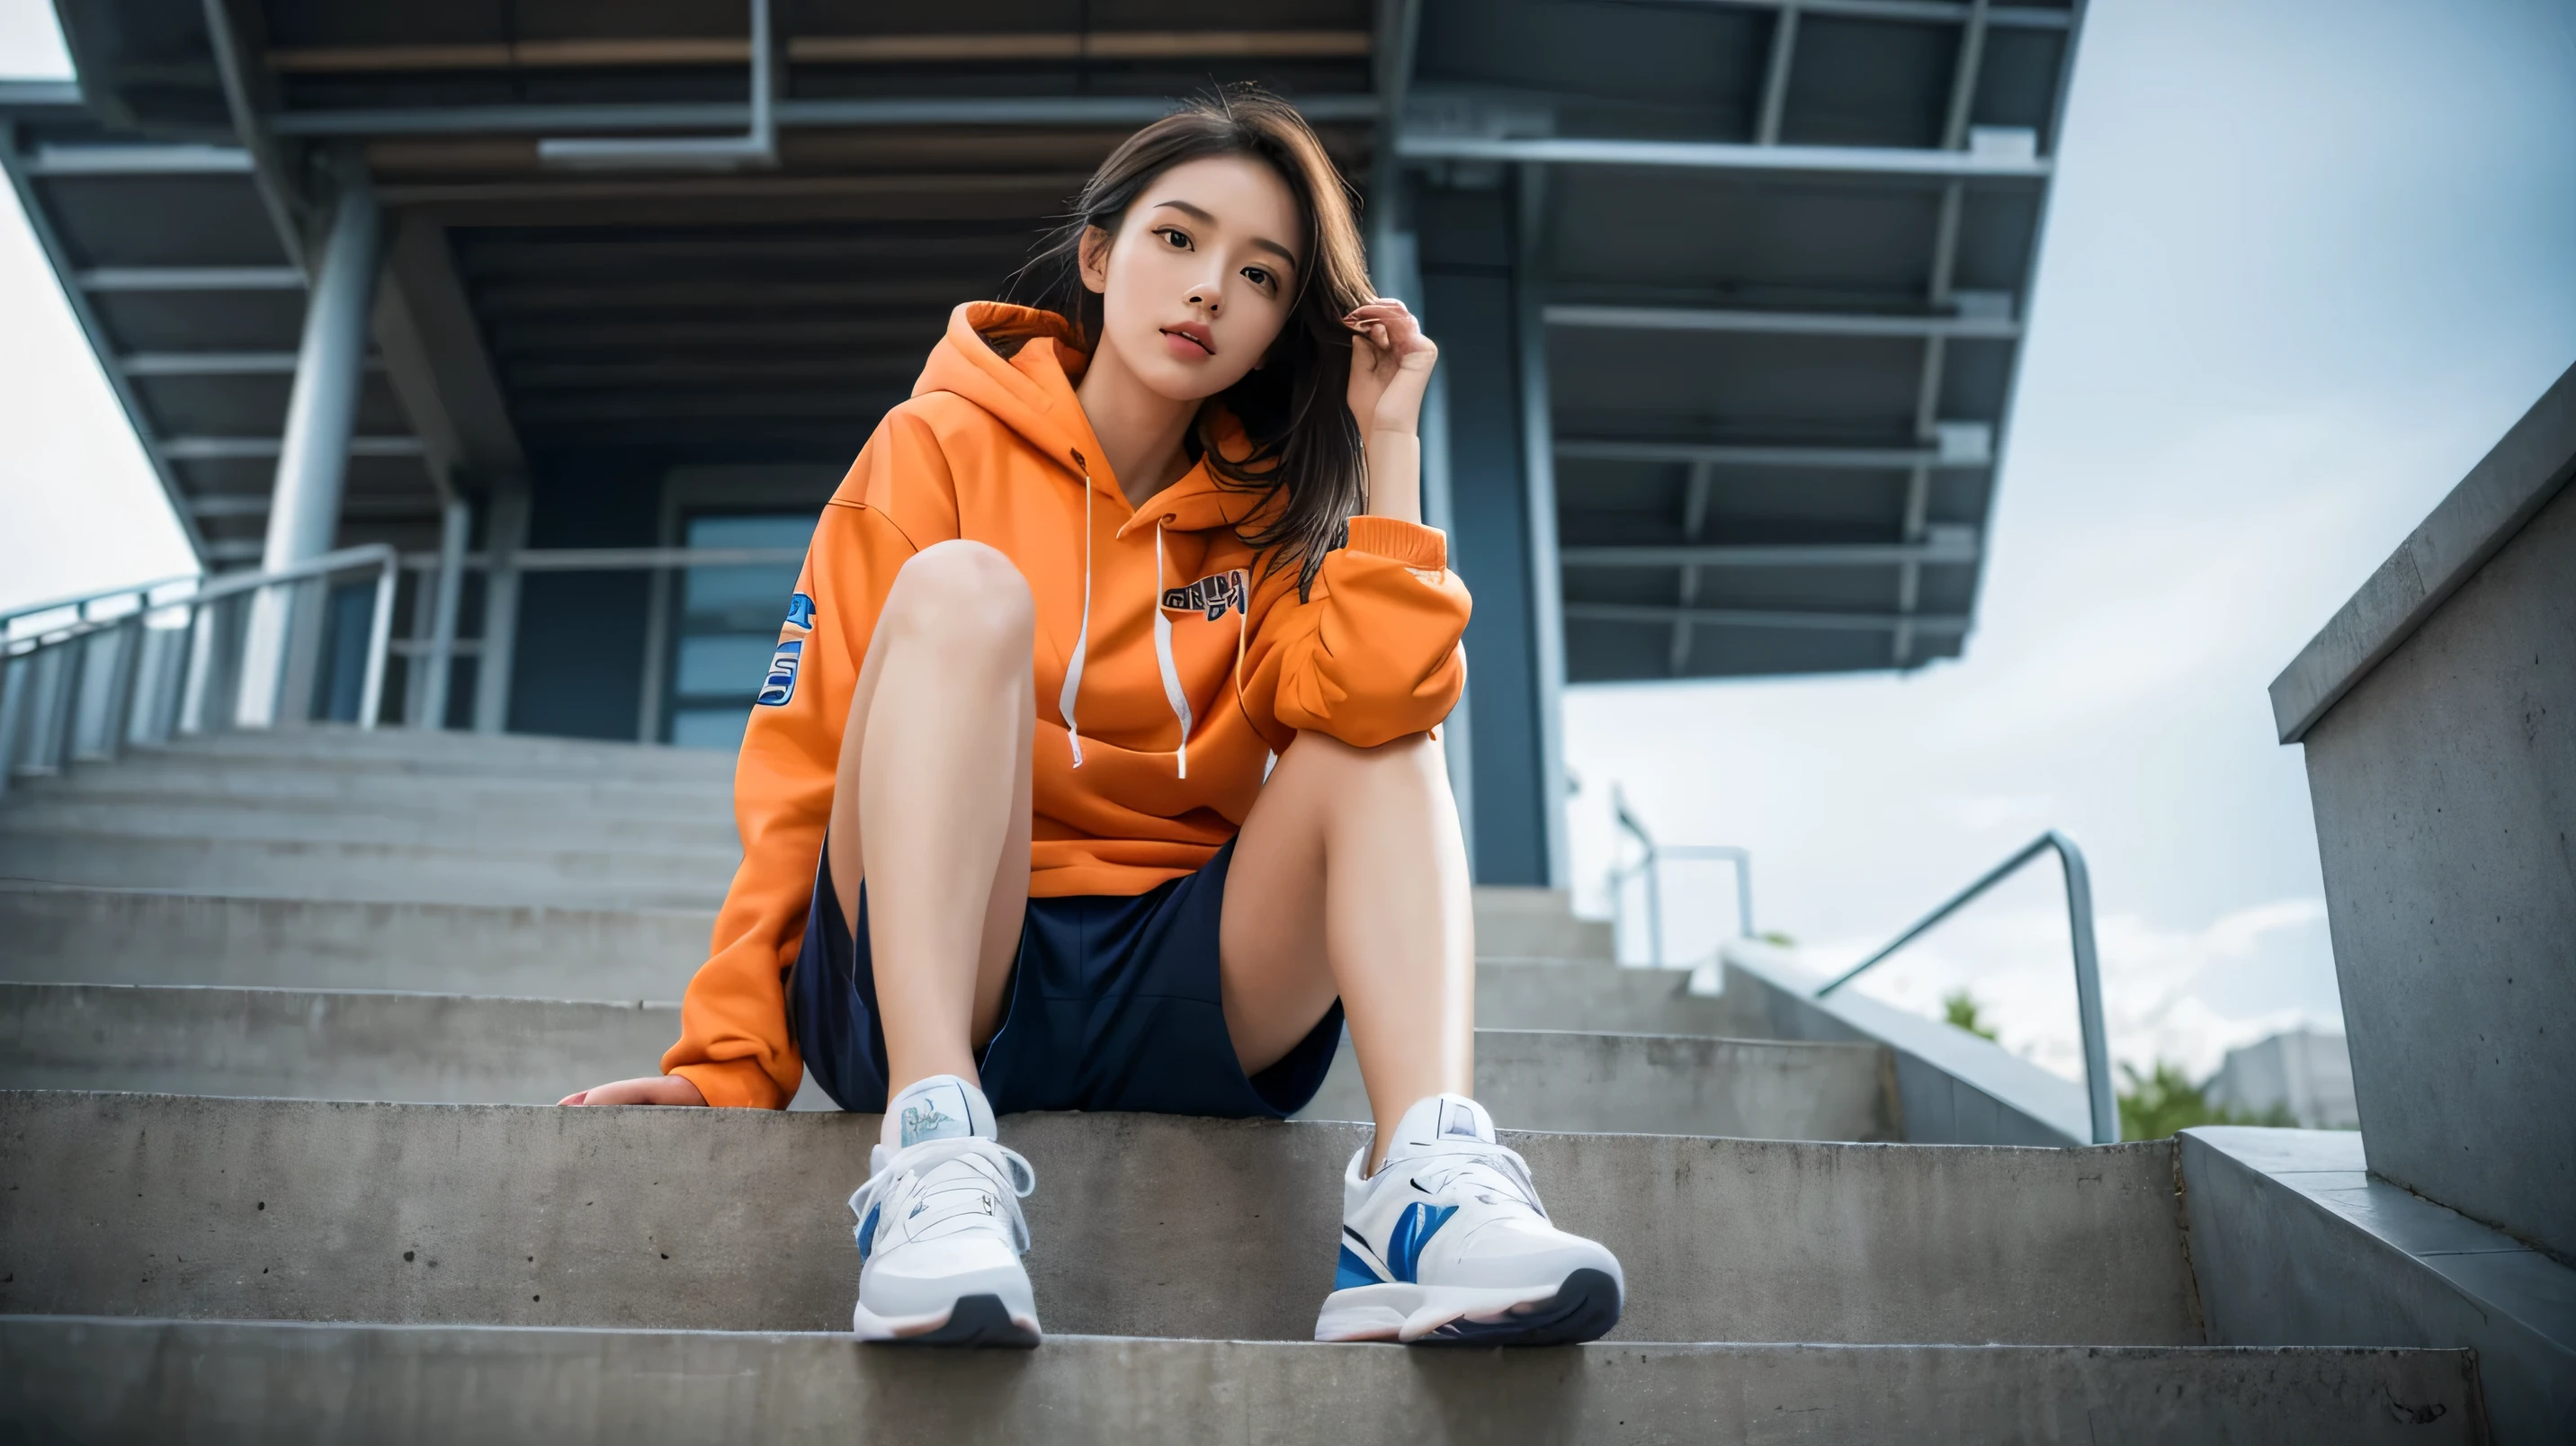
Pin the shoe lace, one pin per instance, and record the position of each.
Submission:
(1496, 1169)
(901, 1185)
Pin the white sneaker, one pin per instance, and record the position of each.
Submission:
(1447, 1243)
(940, 1231)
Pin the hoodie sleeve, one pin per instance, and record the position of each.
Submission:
(735, 1045)
(1372, 653)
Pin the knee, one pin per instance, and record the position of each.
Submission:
(965, 597)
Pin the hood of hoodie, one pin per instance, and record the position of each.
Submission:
(1030, 390)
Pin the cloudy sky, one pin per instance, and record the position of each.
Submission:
(2306, 260)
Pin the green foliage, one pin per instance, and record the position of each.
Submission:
(1774, 936)
(1959, 1007)
(2165, 1100)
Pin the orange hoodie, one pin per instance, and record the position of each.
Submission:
(1171, 663)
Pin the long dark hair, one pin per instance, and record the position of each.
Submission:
(1306, 448)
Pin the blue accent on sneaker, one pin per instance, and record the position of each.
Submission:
(1353, 1271)
(867, 1234)
(1413, 1230)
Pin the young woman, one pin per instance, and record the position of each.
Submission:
(1094, 768)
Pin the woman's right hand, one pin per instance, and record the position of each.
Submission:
(660, 1089)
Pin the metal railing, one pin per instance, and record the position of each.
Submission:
(2088, 972)
(138, 665)
(1650, 864)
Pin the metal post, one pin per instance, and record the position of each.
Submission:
(313, 462)
(448, 590)
(380, 627)
(2088, 996)
(1538, 461)
(17, 685)
(504, 535)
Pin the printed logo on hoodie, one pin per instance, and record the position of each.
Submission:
(1215, 595)
(781, 683)
(800, 612)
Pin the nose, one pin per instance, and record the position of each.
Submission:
(1208, 296)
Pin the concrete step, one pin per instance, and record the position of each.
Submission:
(1144, 1225)
(100, 935)
(149, 1381)
(440, 821)
(374, 872)
(1537, 924)
(1653, 1084)
(60, 934)
(512, 752)
(260, 779)
(452, 1049)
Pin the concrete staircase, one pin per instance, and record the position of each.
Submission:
(278, 1015)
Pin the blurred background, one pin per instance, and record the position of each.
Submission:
(2235, 292)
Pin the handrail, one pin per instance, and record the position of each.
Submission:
(83, 600)
(144, 683)
(2088, 973)
(1650, 866)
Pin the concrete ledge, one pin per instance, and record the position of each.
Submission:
(1952, 1087)
(1145, 1225)
(2507, 487)
(2295, 1245)
(152, 1381)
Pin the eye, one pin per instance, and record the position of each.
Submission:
(1260, 277)
(1179, 238)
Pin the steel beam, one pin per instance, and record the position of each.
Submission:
(849, 113)
(1781, 323)
(2027, 17)
(1775, 77)
(438, 364)
(189, 278)
(1945, 546)
(235, 449)
(1732, 454)
(1660, 615)
(1725, 156)
(137, 160)
(1703, 476)
(207, 363)
(1945, 256)
(21, 96)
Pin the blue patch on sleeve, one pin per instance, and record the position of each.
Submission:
(781, 683)
(800, 612)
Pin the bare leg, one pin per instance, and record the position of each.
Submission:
(1351, 876)
(931, 803)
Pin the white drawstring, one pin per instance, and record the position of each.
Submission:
(1172, 693)
(1082, 639)
(1239, 585)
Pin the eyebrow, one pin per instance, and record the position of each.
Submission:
(1202, 214)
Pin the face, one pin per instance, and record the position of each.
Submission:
(1198, 281)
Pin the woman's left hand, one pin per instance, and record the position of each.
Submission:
(1390, 365)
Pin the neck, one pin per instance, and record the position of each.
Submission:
(1140, 429)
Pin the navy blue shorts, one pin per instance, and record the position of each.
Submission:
(1113, 1005)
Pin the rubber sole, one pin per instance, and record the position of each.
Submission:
(1584, 1308)
(977, 1321)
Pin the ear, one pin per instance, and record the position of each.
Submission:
(1093, 252)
